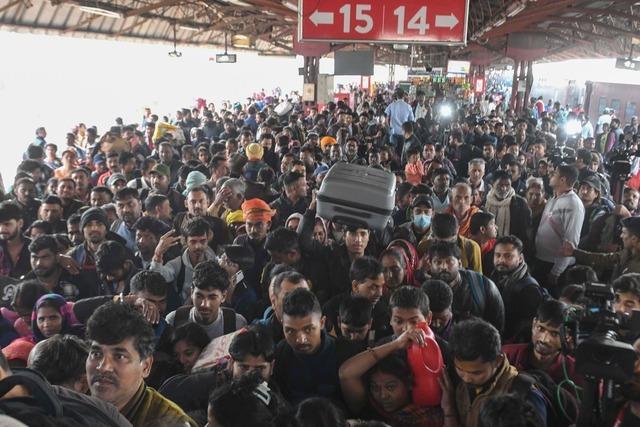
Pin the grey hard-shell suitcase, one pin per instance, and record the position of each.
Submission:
(357, 196)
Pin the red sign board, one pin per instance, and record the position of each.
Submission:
(384, 21)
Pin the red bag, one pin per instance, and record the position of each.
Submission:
(426, 363)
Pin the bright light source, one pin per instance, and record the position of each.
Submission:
(290, 5)
(446, 111)
(238, 3)
(573, 127)
(101, 11)
(187, 28)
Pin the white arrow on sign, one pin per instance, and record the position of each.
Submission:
(320, 18)
(446, 21)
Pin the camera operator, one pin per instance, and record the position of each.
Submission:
(625, 261)
(627, 289)
(629, 414)
(544, 352)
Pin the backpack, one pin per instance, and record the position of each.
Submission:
(228, 318)
(44, 408)
(558, 401)
(529, 280)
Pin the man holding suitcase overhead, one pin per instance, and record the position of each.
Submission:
(336, 258)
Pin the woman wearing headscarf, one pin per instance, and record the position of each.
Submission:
(51, 315)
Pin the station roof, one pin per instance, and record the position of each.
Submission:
(569, 28)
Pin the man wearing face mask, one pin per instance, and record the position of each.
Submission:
(420, 224)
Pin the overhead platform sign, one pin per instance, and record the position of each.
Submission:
(442, 22)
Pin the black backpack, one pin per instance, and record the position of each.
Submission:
(43, 408)
(562, 406)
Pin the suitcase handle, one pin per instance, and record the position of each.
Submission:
(348, 221)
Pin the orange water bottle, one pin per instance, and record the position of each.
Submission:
(426, 364)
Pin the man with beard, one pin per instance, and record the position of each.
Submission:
(520, 292)
(604, 233)
(462, 208)
(544, 351)
(83, 184)
(120, 358)
(208, 291)
(441, 178)
(47, 269)
(149, 230)
(440, 300)
(25, 192)
(94, 227)
(257, 220)
(51, 212)
(66, 190)
(367, 281)
(513, 216)
(73, 229)
(160, 177)
(624, 261)
(14, 248)
(197, 202)
(115, 267)
(179, 271)
(473, 293)
(306, 361)
(293, 199)
(129, 209)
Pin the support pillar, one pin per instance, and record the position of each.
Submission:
(311, 72)
(514, 86)
(529, 82)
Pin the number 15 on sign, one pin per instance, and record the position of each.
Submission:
(418, 21)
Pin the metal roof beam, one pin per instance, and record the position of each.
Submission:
(151, 6)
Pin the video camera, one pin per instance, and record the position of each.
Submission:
(562, 155)
(597, 330)
(600, 354)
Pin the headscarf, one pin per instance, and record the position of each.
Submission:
(234, 217)
(63, 308)
(411, 259)
(257, 210)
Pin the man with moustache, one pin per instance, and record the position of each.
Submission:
(473, 294)
(544, 351)
(14, 248)
(120, 358)
(257, 220)
(520, 292)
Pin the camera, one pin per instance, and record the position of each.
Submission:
(597, 331)
(562, 156)
(604, 360)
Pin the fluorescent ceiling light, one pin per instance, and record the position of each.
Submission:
(100, 11)
(239, 3)
(513, 10)
(188, 28)
(290, 5)
(500, 21)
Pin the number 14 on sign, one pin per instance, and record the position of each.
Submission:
(364, 20)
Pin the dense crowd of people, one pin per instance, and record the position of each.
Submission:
(175, 272)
